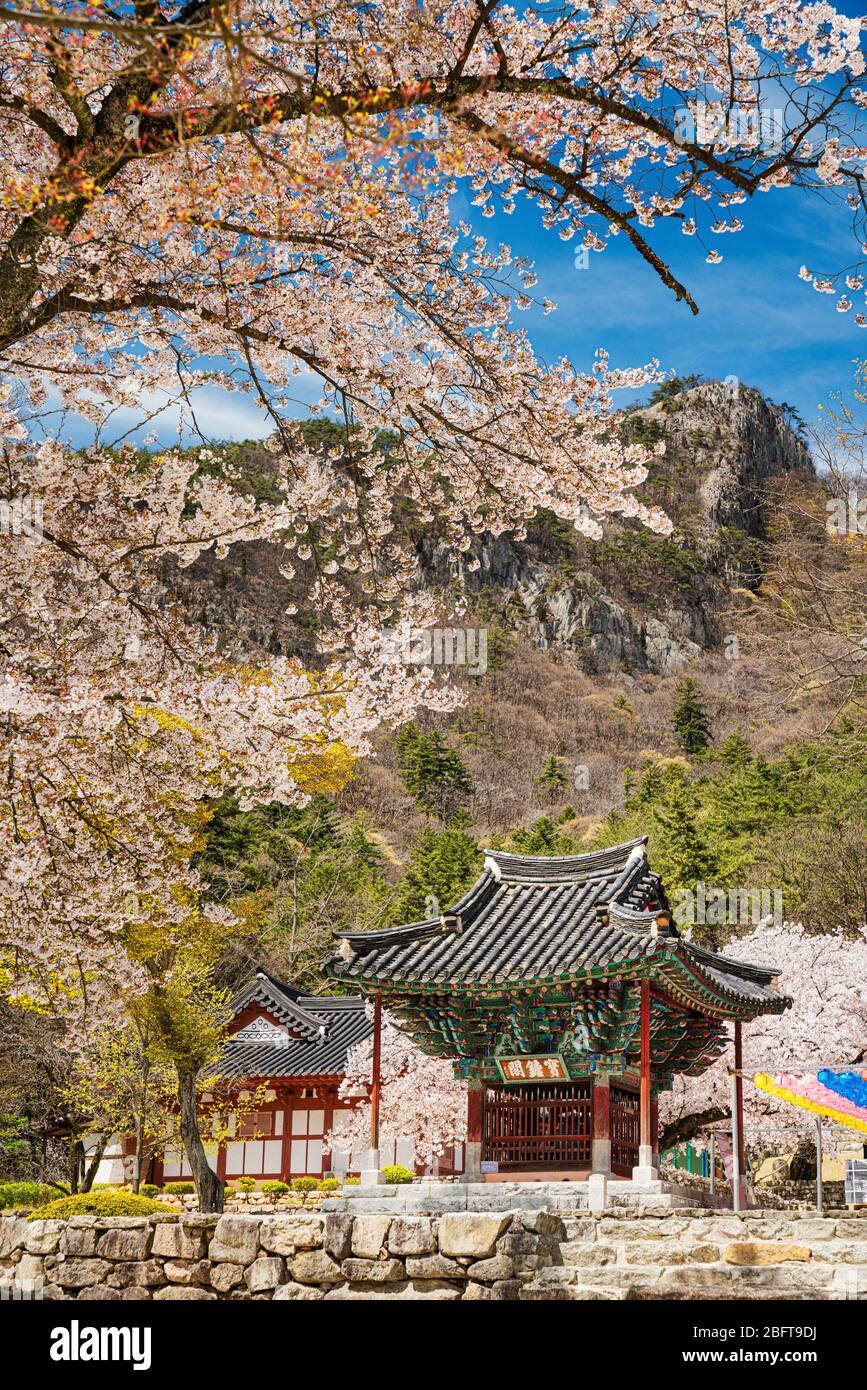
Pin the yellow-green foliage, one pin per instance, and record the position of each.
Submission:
(99, 1204)
(395, 1172)
(25, 1194)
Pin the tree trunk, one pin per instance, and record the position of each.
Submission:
(688, 1127)
(91, 1169)
(74, 1168)
(802, 1165)
(140, 1123)
(208, 1185)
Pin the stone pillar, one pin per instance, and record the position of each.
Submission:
(600, 1145)
(475, 1121)
(371, 1174)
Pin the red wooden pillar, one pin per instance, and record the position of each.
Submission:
(329, 1097)
(645, 1140)
(221, 1161)
(473, 1148)
(475, 1114)
(600, 1143)
(739, 1098)
(375, 1082)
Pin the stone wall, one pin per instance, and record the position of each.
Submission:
(533, 1255)
(471, 1255)
(691, 1255)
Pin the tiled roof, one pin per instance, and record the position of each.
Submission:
(540, 919)
(327, 1028)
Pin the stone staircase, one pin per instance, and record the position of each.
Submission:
(684, 1254)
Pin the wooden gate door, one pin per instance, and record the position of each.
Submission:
(538, 1125)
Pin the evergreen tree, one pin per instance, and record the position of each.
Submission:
(552, 779)
(432, 772)
(682, 855)
(443, 865)
(544, 836)
(735, 751)
(691, 720)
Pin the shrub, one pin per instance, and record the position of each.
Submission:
(247, 1184)
(99, 1204)
(395, 1172)
(351, 1182)
(329, 1185)
(275, 1188)
(149, 1189)
(230, 1192)
(179, 1189)
(25, 1194)
(305, 1186)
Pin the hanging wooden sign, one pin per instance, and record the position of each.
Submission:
(549, 1067)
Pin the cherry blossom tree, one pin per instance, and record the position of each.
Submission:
(826, 977)
(122, 723)
(420, 1100)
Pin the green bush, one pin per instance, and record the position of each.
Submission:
(329, 1185)
(179, 1189)
(305, 1186)
(99, 1204)
(25, 1194)
(230, 1191)
(149, 1189)
(275, 1188)
(395, 1172)
(247, 1184)
(351, 1182)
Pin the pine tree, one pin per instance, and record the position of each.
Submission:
(443, 865)
(432, 772)
(682, 856)
(552, 779)
(691, 720)
(735, 751)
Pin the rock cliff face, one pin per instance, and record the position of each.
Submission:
(633, 601)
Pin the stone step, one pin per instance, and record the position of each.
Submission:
(569, 1293)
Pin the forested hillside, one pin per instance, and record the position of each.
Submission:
(633, 685)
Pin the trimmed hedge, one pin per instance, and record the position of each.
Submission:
(99, 1204)
(179, 1189)
(26, 1194)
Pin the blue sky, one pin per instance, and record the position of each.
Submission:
(758, 321)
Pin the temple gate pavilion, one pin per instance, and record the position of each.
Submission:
(567, 998)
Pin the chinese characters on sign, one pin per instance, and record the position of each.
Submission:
(551, 1068)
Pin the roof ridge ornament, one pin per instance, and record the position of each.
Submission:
(493, 868)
